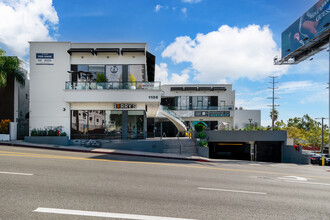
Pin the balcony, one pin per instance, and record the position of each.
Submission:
(112, 85)
(112, 92)
(201, 108)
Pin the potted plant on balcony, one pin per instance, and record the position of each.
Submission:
(101, 79)
(132, 81)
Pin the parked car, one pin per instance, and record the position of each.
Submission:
(317, 159)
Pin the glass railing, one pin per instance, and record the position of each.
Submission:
(200, 108)
(112, 85)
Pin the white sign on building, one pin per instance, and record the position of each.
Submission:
(45, 59)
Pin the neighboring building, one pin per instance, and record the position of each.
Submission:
(14, 103)
(65, 89)
(210, 104)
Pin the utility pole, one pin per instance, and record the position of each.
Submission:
(322, 134)
(273, 99)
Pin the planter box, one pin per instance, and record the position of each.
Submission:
(54, 140)
(203, 151)
(4, 137)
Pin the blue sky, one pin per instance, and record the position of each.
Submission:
(195, 41)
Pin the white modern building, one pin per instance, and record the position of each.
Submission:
(93, 90)
(107, 91)
(210, 104)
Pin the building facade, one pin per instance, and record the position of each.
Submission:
(107, 91)
(93, 90)
(210, 104)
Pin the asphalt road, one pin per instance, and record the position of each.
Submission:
(48, 184)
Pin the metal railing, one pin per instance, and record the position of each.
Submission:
(214, 108)
(69, 85)
(171, 112)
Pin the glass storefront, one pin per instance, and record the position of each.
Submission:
(111, 124)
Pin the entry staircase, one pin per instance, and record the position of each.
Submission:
(183, 146)
(174, 118)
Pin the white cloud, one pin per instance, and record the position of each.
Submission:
(26, 20)
(296, 86)
(184, 11)
(191, 1)
(162, 75)
(157, 8)
(228, 53)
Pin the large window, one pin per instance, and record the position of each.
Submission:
(87, 124)
(135, 124)
(114, 124)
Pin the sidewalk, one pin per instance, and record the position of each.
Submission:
(20, 143)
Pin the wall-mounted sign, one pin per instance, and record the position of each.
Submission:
(201, 113)
(114, 73)
(124, 106)
(219, 114)
(44, 59)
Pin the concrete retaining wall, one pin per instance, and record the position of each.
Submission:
(246, 136)
(291, 155)
(55, 140)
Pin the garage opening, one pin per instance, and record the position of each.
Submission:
(226, 150)
(269, 151)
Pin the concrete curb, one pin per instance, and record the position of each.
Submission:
(94, 150)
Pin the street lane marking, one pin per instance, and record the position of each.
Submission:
(104, 214)
(324, 184)
(17, 154)
(293, 178)
(11, 173)
(230, 190)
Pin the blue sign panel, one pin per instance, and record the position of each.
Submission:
(310, 25)
(45, 59)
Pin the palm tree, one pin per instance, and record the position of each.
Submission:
(274, 117)
(10, 66)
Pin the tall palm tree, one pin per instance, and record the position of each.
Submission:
(10, 66)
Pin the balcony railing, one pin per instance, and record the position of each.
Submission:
(111, 85)
(200, 108)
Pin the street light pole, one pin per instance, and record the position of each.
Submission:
(322, 133)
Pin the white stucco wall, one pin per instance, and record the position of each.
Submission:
(47, 83)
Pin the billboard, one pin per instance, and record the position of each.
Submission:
(309, 26)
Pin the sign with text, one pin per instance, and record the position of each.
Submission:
(44, 59)
(124, 106)
(219, 114)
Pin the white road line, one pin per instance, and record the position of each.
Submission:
(104, 214)
(230, 190)
(24, 174)
(324, 184)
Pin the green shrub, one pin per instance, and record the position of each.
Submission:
(203, 143)
(63, 133)
(199, 127)
(4, 126)
(201, 135)
(100, 78)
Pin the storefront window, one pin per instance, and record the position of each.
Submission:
(79, 124)
(135, 124)
(113, 124)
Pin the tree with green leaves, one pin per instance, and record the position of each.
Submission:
(10, 66)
